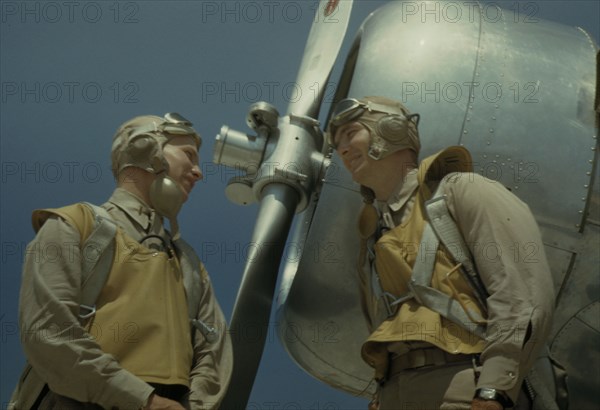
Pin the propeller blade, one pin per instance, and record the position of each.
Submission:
(322, 47)
(279, 201)
(252, 310)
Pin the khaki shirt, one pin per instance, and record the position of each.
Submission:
(66, 356)
(506, 245)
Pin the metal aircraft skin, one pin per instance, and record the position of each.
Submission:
(520, 97)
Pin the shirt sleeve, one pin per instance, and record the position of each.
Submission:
(61, 351)
(506, 245)
(213, 360)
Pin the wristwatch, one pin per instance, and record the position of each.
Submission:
(486, 393)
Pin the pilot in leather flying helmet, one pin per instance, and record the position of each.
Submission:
(391, 126)
(140, 143)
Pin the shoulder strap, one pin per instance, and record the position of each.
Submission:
(420, 287)
(192, 277)
(446, 230)
(190, 265)
(97, 255)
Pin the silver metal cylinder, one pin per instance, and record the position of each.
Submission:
(238, 150)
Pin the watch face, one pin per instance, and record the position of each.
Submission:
(488, 394)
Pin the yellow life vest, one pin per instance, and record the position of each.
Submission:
(141, 313)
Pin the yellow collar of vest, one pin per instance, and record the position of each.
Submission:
(435, 167)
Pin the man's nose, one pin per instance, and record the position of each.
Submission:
(197, 173)
(342, 147)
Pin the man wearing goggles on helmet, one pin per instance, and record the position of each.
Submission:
(442, 335)
(154, 337)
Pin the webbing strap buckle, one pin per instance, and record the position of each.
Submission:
(392, 303)
(209, 332)
(90, 309)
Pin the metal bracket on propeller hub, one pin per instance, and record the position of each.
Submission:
(285, 150)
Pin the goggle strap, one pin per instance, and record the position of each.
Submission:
(145, 129)
(345, 115)
(163, 127)
(414, 118)
(386, 109)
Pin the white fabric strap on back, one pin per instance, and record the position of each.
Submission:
(97, 256)
(448, 233)
(425, 263)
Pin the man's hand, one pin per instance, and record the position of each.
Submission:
(480, 404)
(156, 402)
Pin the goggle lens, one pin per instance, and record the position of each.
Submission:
(350, 109)
(346, 111)
(177, 125)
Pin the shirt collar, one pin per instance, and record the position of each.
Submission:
(134, 207)
(402, 193)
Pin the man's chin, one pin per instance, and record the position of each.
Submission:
(186, 190)
(358, 177)
(186, 195)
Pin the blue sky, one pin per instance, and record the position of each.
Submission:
(71, 72)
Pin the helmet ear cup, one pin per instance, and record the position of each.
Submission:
(393, 128)
(144, 151)
(141, 147)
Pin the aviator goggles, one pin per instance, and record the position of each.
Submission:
(350, 109)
